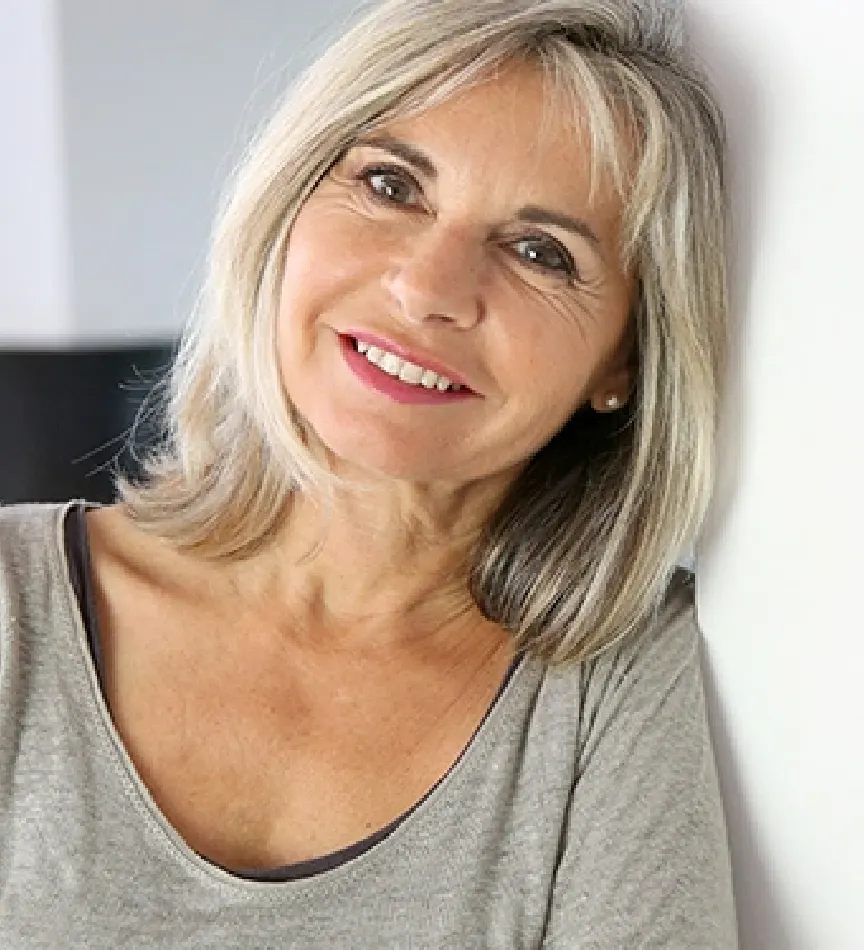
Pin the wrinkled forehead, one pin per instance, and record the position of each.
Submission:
(574, 111)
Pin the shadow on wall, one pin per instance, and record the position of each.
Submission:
(763, 918)
(67, 416)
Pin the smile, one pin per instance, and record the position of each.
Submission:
(407, 372)
(400, 380)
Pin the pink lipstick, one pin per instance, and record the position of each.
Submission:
(375, 378)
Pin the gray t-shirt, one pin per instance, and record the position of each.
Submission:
(584, 813)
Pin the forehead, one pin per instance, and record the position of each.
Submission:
(513, 126)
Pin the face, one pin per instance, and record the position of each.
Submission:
(456, 246)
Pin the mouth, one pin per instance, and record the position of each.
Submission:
(402, 379)
(412, 374)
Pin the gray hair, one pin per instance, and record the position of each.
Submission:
(581, 550)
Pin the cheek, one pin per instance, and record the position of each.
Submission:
(322, 268)
(329, 246)
(555, 361)
(546, 355)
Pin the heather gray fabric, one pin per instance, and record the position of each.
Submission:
(584, 814)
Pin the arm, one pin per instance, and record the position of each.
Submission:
(645, 861)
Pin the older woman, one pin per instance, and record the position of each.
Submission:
(388, 649)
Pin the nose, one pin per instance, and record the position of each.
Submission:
(437, 277)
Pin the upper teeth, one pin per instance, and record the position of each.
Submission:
(407, 372)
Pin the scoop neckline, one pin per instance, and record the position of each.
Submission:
(141, 799)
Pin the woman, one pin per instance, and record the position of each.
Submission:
(388, 648)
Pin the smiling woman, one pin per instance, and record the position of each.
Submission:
(485, 260)
(387, 648)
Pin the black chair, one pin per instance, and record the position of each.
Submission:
(66, 416)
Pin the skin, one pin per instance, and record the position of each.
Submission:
(438, 260)
(435, 262)
(287, 705)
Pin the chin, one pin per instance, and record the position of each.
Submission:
(387, 466)
(355, 450)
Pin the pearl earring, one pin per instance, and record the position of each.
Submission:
(612, 402)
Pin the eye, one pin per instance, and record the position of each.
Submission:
(390, 185)
(546, 254)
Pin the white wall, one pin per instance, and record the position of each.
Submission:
(159, 98)
(781, 572)
(34, 249)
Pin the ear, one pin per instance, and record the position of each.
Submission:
(614, 390)
(614, 387)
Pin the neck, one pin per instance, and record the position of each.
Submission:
(389, 562)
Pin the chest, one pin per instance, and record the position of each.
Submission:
(85, 865)
(260, 760)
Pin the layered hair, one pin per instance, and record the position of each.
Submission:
(580, 551)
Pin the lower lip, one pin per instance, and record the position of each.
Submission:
(392, 386)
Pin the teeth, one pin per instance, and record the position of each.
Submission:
(390, 364)
(408, 372)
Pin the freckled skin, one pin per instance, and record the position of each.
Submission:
(440, 263)
(351, 666)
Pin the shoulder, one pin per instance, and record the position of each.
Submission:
(646, 859)
(23, 523)
(645, 681)
(667, 640)
(668, 643)
(648, 690)
(28, 536)
(35, 590)
(125, 556)
(648, 682)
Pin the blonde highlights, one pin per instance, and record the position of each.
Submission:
(582, 548)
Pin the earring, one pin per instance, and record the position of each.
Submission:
(612, 402)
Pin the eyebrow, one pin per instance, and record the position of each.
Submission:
(534, 215)
(530, 214)
(408, 153)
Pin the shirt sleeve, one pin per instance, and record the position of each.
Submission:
(644, 861)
